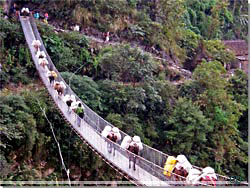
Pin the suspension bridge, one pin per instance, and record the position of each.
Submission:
(150, 162)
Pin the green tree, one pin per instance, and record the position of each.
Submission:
(171, 14)
(208, 18)
(17, 125)
(187, 131)
(216, 51)
(223, 114)
(238, 89)
(126, 64)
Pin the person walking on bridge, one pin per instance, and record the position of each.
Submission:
(135, 147)
(69, 100)
(80, 113)
(52, 76)
(36, 44)
(115, 136)
(25, 12)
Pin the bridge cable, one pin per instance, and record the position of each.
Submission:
(59, 148)
(69, 148)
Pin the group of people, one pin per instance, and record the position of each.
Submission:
(59, 86)
(15, 8)
(183, 169)
(26, 12)
(133, 145)
(44, 17)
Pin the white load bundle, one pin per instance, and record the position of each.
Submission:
(75, 104)
(183, 162)
(62, 85)
(116, 132)
(66, 98)
(125, 142)
(40, 54)
(106, 131)
(193, 176)
(137, 140)
(25, 10)
(46, 69)
(43, 62)
(36, 44)
(208, 171)
(73, 97)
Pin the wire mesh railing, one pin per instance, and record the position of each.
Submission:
(150, 159)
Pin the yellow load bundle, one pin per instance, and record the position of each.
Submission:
(53, 73)
(169, 165)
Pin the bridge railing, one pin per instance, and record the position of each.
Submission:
(150, 158)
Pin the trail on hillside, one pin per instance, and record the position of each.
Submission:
(167, 60)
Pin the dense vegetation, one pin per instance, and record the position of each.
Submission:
(175, 26)
(204, 118)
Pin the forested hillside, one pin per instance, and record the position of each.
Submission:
(204, 118)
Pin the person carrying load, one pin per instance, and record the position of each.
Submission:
(80, 113)
(52, 76)
(169, 165)
(25, 12)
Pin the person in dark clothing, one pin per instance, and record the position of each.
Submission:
(69, 100)
(51, 75)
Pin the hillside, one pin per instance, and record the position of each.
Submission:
(204, 118)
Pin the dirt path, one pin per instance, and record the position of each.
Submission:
(171, 64)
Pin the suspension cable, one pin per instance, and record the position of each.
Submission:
(58, 145)
(69, 147)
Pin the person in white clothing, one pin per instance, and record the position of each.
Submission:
(76, 28)
(107, 37)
